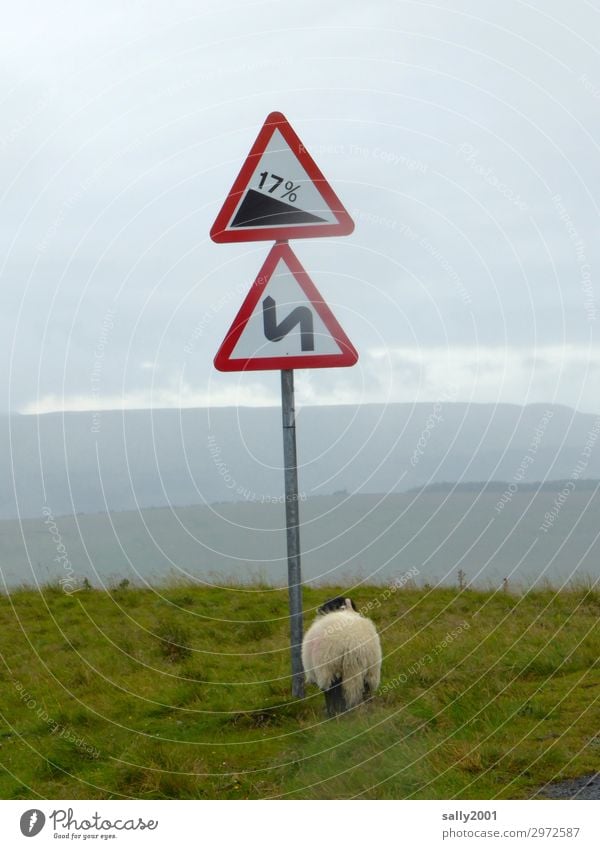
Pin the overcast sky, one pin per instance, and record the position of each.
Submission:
(462, 136)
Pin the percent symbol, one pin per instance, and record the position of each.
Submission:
(291, 191)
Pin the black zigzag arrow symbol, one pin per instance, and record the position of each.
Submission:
(301, 315)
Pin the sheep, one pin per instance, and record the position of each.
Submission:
(341, 654)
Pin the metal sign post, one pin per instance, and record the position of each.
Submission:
(292, 523)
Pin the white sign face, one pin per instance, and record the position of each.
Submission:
(280, 193)
(284, 323)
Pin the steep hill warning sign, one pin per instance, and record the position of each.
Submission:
(280, 193)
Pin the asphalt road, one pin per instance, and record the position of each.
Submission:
(586, 787)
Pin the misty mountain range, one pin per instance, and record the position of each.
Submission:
(94, 462)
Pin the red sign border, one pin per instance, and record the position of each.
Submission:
(220, 233)
(223, 361)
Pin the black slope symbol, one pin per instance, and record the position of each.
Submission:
(258, 210)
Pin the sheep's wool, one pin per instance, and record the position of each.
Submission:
(343, 645)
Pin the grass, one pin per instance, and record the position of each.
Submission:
(183, 692)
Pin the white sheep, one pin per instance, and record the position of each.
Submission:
(341, 654)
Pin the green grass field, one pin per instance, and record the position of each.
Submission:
(182, 692)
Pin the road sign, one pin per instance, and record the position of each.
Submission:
(280, 193)
(284, 323)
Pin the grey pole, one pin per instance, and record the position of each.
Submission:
(292, 522)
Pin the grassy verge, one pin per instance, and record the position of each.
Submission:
(182, 692)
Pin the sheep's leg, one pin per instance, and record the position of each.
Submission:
(334, 698)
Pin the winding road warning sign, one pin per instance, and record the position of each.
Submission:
(284, 323)
(280, 193)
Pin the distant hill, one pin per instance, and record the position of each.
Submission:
(80, 462)
(424, 537)
(584, 485)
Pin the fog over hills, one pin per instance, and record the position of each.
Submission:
(384, 490)
(425, 537)
(84, 462)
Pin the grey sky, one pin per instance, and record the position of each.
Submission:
(462, 137)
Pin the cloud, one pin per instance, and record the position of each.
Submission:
(486, 374)
(126, 125)
(492, 374)
(252, 395)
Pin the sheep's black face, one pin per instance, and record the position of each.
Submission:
(338, 603)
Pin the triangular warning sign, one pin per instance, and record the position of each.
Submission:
(280, 193)
(284, 323)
